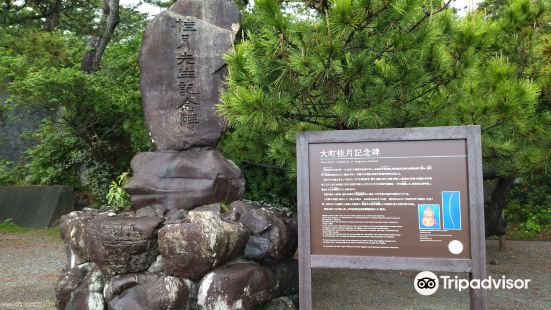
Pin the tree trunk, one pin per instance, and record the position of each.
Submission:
(493, 211)
(53, 16)
(96, 46)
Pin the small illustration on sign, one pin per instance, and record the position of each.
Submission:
(451, 210)
(429, 216)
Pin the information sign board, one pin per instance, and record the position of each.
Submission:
(397, 199)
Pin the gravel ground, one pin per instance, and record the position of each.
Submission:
(364, 289)
(30, 264)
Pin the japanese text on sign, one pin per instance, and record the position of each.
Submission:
(350, 153)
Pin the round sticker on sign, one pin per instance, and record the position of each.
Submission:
(455, 247)
(426, 283)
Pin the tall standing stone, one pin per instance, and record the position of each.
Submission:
(183, 72)
(182, 76)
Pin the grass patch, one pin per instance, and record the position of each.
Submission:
(8, 226)
(518, 232)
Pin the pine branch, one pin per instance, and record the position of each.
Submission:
(365, 22)
(429, 14)
(308, 120)
(499, 123)
(301, 116)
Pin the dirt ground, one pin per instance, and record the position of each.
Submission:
(30, 264)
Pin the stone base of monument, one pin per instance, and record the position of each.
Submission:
(183, 180)
(156, 258)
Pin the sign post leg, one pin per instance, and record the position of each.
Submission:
(476, 197)
(477, 296)
(305, 287)
(304, 258)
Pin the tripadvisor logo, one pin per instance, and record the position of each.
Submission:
(426, 283)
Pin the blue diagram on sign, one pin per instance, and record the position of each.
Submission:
(429, 216)
(451, 210)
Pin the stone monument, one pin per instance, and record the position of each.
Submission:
(183, 72)
(182, 247)
(182, 76)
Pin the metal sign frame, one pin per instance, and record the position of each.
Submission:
(475, 266)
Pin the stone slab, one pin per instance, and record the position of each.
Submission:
(35, 206)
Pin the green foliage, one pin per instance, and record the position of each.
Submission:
(78, 17)
(116, 197)
(528, 231)
(8, 226)
(225, 207)
(265, 181)
(41, 13)
(97, 123)
(96, 179)
(61, 158)
(530, 205)
(39, 50)
(291, 75)
(55, 159)
(10, 173)
(395, 63)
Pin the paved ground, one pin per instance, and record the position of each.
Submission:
(30, 263)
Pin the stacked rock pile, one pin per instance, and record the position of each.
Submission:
(200, 259)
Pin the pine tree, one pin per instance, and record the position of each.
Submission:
(523, 39)
(380, 64)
